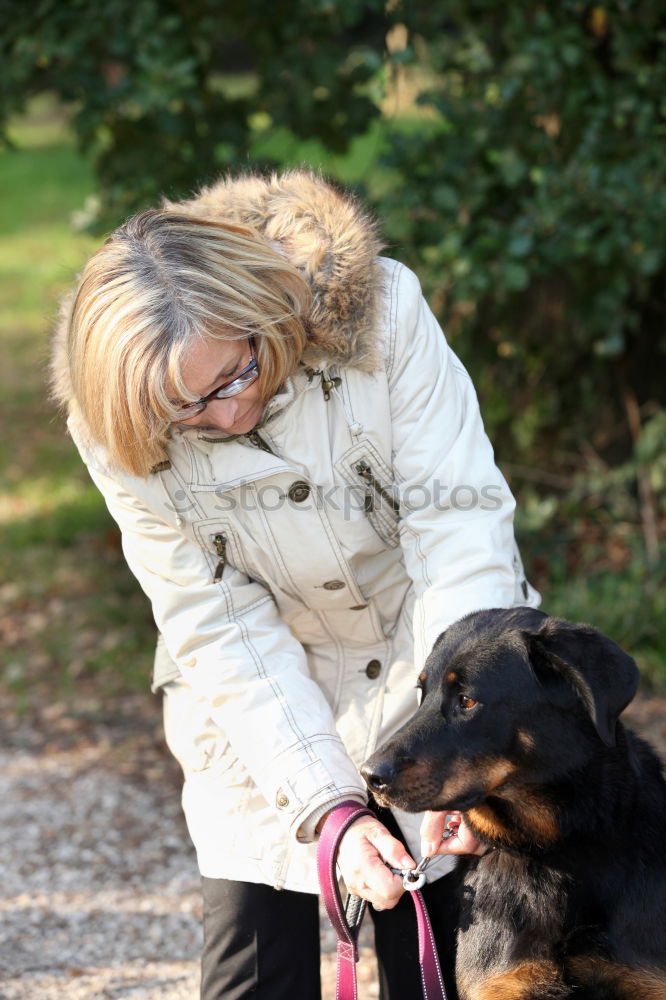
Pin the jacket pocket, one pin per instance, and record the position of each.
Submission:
(221, 541)
(364, 469)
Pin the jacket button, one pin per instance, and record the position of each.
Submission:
(373, 670)
(281, 800)
(334, 585)
(299, 491)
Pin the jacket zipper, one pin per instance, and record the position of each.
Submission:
(253, 437)
(259, 442)
(365, 472)
(220, 542)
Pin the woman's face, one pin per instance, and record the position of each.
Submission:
(211, 363)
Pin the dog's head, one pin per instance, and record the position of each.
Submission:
(511, 701)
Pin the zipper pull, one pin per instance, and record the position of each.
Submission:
(365, 472)
(220, 542)
(328, 384)
(259, 442)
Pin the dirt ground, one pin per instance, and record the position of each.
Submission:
(100, 897)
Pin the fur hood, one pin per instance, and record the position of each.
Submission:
(322, 231)
(326, 234)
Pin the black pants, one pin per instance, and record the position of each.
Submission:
(264, 943)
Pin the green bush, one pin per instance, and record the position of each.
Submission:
(532, 207)
(168, 93)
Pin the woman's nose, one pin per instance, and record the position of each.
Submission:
(221, 413)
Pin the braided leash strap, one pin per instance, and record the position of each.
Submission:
(334, 829)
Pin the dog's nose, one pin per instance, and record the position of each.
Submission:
(378, 775)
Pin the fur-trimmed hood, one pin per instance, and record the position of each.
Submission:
(322, 231)
(327, 235)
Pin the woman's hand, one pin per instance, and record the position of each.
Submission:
(364, 848)
(463, 841)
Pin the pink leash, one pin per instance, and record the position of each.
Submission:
(334, 828)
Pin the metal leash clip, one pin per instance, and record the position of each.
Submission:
(414, 878)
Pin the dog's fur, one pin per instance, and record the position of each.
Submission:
(518, 728)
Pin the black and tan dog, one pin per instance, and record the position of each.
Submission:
(518, 728)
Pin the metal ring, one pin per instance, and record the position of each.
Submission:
(412, 882)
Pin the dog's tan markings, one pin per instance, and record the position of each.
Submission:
(537, 817)
(529, 980)
(525, 740)
(594, 972)
(451, 677)
(422, 677)
(533, 819)
(487, 823)
(496, 773)
(485, 777)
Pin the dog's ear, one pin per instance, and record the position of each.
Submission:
(602, 675)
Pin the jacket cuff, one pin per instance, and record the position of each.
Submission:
(296, 789)
(306, 833)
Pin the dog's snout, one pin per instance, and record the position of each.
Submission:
(379, 775)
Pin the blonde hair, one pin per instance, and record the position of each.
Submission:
(161, 280)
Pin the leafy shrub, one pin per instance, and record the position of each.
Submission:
(168, 93)
(532, 207)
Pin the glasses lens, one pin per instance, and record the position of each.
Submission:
(237, 385)
(246, 377)
(187, 410)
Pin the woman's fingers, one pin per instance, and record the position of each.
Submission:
(433, 825)
(365, 850)
(461, 840)
(387, 847)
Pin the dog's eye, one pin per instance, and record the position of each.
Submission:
(465, 702)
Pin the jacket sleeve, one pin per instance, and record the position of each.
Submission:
(231, 646)
(456, 507)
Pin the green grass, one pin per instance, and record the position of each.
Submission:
(69, 609)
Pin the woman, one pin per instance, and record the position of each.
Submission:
(298, 466)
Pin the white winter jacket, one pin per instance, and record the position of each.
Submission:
(299, 574)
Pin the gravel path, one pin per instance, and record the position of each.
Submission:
(100, 892)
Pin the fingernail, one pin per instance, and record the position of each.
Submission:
(406, 862)
(428, 849)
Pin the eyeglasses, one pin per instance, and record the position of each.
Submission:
(246, 377)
